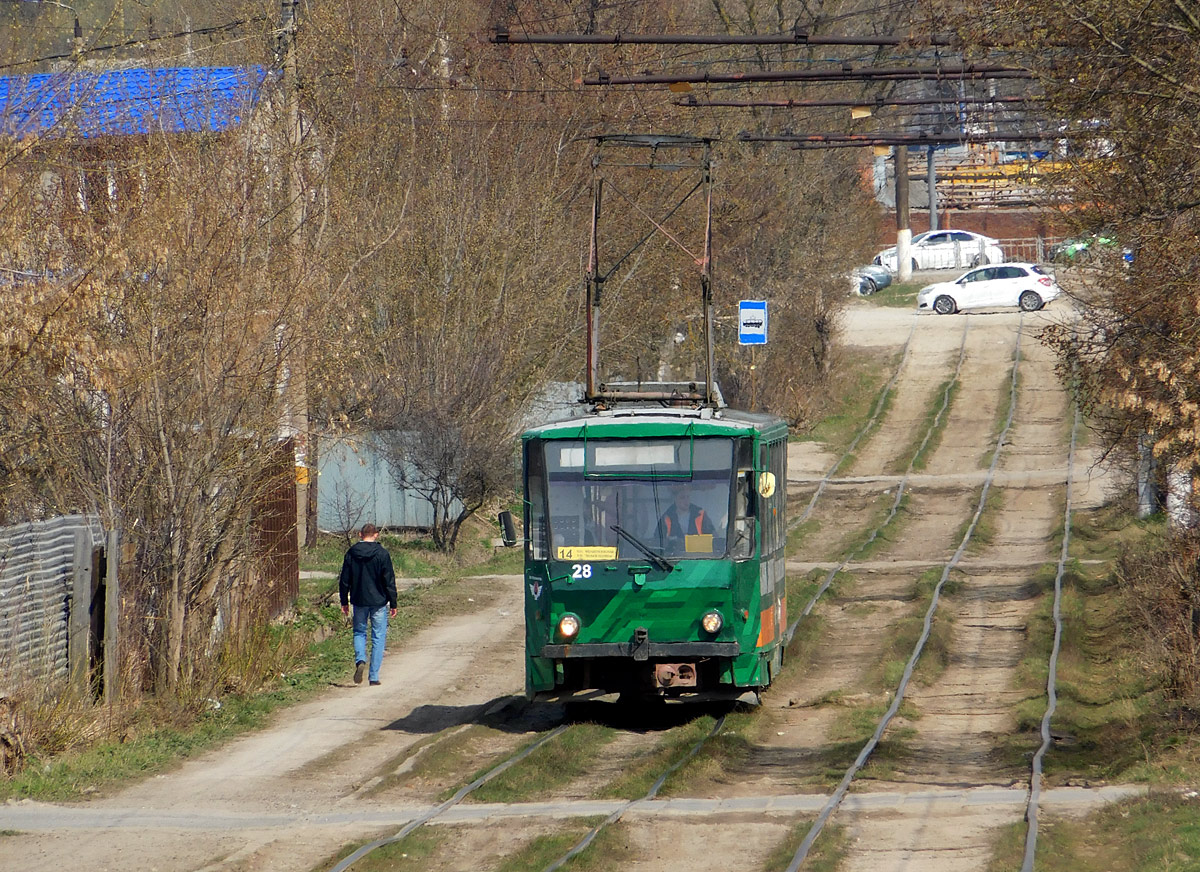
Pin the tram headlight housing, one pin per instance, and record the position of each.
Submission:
(712, 621)
(568, 626)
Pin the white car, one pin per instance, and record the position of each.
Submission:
(1025, 285)
(946, 249)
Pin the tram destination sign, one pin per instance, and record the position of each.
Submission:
(752, 322)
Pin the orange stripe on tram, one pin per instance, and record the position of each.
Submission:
(766, 626)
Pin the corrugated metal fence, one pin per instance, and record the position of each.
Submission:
(57, 583)
(357, 483)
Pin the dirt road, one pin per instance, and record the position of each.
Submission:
(288, 797)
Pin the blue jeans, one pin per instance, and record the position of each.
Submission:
(378, 619)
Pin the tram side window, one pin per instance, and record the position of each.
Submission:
(779, 469)
(772, 458)
(535, 502)
(741, 545)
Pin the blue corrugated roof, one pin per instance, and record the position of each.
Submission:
(128, 102)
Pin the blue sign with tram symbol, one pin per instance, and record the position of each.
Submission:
(752, 322)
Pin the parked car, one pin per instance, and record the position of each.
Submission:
(946, 249)
(1025, 285)
(866, 280)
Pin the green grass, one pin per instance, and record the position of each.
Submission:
(543, 850)
(859, 545)
(413, 853)
(1106, 532)
(932, 426)
(158, 737)
(727, 749)
(858, 389)
(552, 766)
(414, 556)
(897, 295)
(984, 533)
(851, 730)
(826, 854)
(673, 746)
(290, 662)
(428, 760)
(904, 633)
(1114, 712)
(1160, 832)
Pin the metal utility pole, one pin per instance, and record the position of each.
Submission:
(903, 231)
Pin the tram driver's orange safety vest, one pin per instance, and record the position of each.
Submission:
(699, 521)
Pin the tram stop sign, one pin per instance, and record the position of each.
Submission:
(752, 322)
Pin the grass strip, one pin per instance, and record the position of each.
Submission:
(827, 855)
(1160, 832)
(542, 850)
(555, 764)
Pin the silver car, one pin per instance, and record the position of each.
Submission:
(1025, 285)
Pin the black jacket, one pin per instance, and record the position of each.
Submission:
(367, 578)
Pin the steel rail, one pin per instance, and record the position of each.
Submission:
(616, 815)
(839, 794)
(900, 489)
(452, 801)
(1035, 779)
(866, 428)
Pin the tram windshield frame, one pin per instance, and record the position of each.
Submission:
(606, 498)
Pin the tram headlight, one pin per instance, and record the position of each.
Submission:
(568, 626)
(712, 621)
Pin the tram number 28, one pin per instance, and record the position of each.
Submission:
(581, 570)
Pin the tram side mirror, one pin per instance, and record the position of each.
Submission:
(508, 529)
(766, 484)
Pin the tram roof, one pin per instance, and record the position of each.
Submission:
(658, 421)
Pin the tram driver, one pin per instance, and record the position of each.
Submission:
(682, 518)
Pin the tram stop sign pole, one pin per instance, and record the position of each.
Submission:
(752, 322)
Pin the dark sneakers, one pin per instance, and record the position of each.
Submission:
(374, 683)
(359, 668)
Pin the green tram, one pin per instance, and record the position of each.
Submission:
(654, 553)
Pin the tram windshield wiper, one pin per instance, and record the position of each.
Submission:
(657, 559)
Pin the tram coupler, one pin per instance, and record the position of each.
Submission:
(675, 675)
(640, 650)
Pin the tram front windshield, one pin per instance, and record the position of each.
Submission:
(610, 499)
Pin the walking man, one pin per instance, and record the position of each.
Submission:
(368, 582)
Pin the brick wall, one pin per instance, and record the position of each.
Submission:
(997, 223)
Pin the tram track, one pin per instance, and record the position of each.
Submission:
(1035, 778)
(862, 432)
(727, 805)
(900, 486)
(843, 787)
(618, 813)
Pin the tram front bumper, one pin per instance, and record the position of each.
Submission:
(642, 650)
